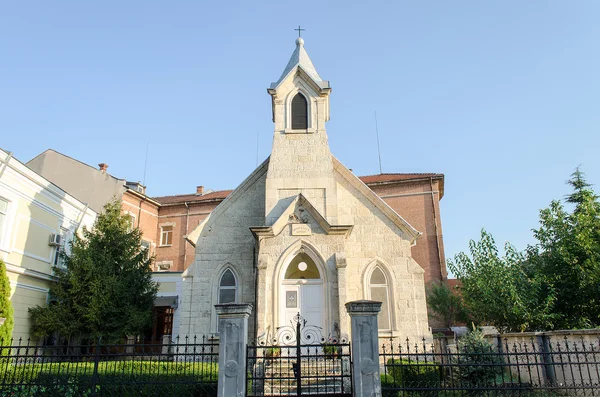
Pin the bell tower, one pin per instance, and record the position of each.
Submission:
(300, 159)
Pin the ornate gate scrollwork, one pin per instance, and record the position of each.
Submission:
(297, 359)
(287, 335)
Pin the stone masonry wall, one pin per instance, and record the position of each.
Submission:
(226, 240)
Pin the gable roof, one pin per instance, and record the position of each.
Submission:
(301, 60)
(377, 201)
(193, 198)
(383, 178)
(369, 180)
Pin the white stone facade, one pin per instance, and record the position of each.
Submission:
(303, 203)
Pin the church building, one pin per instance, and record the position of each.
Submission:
(303, 234)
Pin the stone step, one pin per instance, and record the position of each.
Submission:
(278, 390)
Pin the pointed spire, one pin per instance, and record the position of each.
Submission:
(301, 59)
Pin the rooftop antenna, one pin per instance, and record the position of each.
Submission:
(378, 149)
(145, 165)
(257, 148)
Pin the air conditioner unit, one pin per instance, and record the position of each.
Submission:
(55, 240)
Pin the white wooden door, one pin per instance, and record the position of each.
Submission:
(306, 299)
(311, 303)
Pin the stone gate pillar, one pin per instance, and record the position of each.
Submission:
(365, 349)
(233, 339)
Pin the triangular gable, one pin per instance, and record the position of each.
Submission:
(193, 237)
(283, 220)
(377, 201)
(318, 83)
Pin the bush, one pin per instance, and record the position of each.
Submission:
(123, 378)
(477, 364)
(407, 374)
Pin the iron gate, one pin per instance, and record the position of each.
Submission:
(299, 361)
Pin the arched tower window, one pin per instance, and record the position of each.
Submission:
(379, 291)
(227, 287)
(299, 112)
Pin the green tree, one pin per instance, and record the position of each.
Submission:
(446, 305)
(568, 255)
(477, 364)
(498, 290)
(106, 288)
(6, 308)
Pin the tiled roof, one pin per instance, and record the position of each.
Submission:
(380, 178)
(222, 194)
(180, 198)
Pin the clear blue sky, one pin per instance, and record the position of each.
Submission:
(503, 97)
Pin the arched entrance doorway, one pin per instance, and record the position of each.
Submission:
(302, 292)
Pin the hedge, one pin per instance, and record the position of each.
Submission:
(123, 378)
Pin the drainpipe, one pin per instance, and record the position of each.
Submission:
(187, 217)
(140, 211)
(254, 312)
(435, 223)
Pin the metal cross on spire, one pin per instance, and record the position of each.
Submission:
(299, 31)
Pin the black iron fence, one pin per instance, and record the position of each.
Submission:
(281, 370)
(182, 367)
(299, 360)
(536, 367)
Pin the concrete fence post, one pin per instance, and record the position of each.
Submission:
(365, 347)
(233, 339)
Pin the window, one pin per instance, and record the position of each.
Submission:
(378, 291)
(131, 224)
(3, 211)
(299, 112)
(58, 259)
(164, 266)
(166, 235)
(146, 249)
(227, 287)
(61, 249)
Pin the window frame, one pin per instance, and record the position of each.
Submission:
(311, 116)
(132, 220)
(5, 220)
(227, 287)
(306, 110)
(216, 283)
(146, 249)
(163, 233)
(388, 293)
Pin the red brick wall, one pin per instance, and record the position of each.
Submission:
(414, 202)
(185, 220)
(146, 219)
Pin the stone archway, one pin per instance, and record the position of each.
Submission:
(301, 291)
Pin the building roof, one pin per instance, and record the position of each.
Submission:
(193, 198)
(222, 194)
(301, 59)
(386, 178)
(72, 159)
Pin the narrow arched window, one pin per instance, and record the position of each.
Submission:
(299, 112)
(379, 291)
(227, 287)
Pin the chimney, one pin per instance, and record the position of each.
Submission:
(103, 167)
(199, 190)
